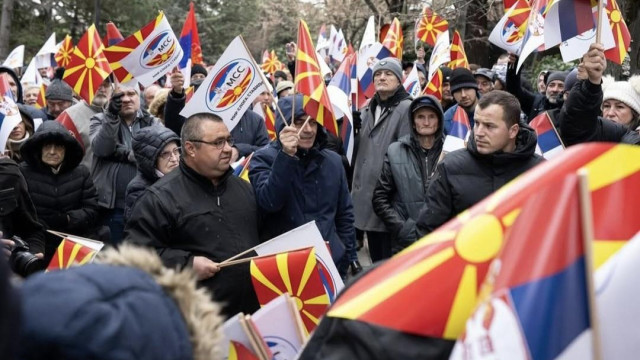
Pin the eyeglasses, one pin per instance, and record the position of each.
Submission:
(218, 144)
(166, 155)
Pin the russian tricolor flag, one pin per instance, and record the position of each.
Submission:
(548, 140)
(458, 135)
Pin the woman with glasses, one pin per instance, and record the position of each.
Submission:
(157, 152)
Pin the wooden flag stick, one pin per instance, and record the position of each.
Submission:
(306, 121)
(240, 254)
(587, 234)
(236, 262)
(64, 235)
(599, 19)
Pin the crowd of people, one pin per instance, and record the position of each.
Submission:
(128, 169)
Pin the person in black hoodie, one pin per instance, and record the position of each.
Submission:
(61, 189)
(157, 153)
(407, 169)
(499, 149)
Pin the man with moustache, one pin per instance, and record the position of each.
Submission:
(80, 114)
(464, 89)
(499, 149)
(201, 214)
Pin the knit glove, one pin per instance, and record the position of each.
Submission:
(115, 104)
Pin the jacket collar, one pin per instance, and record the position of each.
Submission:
(203, 181)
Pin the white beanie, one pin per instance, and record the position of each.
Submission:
(627, 92)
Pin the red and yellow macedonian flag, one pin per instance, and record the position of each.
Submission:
(63, 56)
(429, 26)
(310, 82)
(445, 269)
(620, 33)
(88, 66)
(270, 62)
(394, 41)
(296, 273)
(434, 87)
(458, 55)
(270, 122)
(70, 253)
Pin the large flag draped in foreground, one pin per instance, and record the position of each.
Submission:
(231, 86)
(148, 54)
(444, 270)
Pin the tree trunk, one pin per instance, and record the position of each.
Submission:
(476, 35)
(5, 27)
(633, 22)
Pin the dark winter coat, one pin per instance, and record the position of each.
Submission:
(249, 134)
(66, 201)
(374, 142)
(17, 213)
(293, 190)
(111, 141)
(148, 143)
(465, 177)
(402, 187)
(532, 104)
(184, 215)
(579, 120)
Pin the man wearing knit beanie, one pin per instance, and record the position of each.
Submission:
(384, 120)
(535, 103)
(198, 73)
(59, 97)
(464, 89)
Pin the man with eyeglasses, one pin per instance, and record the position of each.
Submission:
(114, 164)
(201, 214)
(297, 179)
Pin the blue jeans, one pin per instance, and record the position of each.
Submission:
(114, 219)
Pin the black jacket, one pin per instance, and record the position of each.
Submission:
(579, 120)
(147, 145)
(531, 103)
(66, 201)
(17, 213)
(465, 177)
(184, 215)
(402, 187)
(249, 134)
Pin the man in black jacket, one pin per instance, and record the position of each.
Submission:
(200, 214)
(499, 149)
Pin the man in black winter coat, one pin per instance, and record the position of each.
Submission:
(499, 149)
(201, 214)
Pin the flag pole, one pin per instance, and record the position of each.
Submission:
(295, 78)
(599, 24)
(262, 77)
(586, 214)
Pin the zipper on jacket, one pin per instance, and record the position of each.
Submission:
(218, 200)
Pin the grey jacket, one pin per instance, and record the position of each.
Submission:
(374, 141)
(111, 143)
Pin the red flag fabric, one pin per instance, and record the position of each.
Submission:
(270, 62)
(296, 273)
(620, 33)
(113, 35)
(237, 351)
(458, 55)
(270, 122)
(310, 82)
(68, 123)
(41, 101)
(88, 66)
(63, 56)
(70, 253)
(394, 41)
(429, 26)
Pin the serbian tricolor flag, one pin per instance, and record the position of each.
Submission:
(549, 142)
(5, 89)
(434, 86)
(458, 55)
(296, 273)
(394, 40)
(189, 40)
(537, 283)
(620, 33)
(567, 19)
(412, 83)
(339, 91)
(74, 250)
(113, 35)
(147, 55)
(310, 83)
(366, 61)
(429, 25)
(9, 117)
(459, 132)
(65, 119)
(63, 56)
(241, 169)
(88, 67)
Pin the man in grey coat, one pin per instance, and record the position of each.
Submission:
(384, 121)
(114, 164)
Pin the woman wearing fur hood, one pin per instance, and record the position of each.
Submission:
(126, 305)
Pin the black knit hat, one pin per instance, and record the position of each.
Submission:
(198, 69)
(446, 74)
(462, 78)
